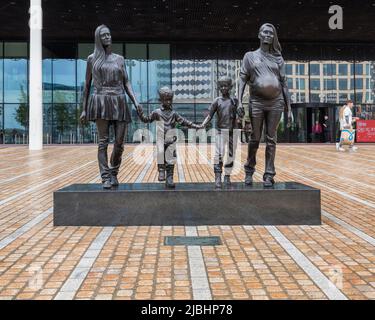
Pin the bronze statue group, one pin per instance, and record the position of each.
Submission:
(262, 70)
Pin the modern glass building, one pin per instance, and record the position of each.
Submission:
(322, 74)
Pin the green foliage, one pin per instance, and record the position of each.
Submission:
(62, 116)
(22, 113)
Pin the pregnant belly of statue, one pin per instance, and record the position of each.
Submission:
(268, 88)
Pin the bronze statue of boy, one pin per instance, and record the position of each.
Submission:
(225, 107)
(167, 120)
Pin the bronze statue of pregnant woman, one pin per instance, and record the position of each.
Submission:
(264, 71)
(107, 104)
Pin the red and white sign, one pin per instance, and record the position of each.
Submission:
(366, 131)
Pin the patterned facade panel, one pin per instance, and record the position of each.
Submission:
(193, 79)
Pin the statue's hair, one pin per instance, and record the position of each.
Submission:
(225, 80)
(276, 46)
(99, 53)
(165, 91)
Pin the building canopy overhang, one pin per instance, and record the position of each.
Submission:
(194, 20)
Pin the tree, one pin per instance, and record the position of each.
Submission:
(63, 113)
(62, 116)
(22, 113)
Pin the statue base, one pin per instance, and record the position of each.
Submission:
(187, 205)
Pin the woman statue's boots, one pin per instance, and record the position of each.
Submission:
(107, 185)
(114, 181)
(161, 169)
(218, 181)
(169, 181)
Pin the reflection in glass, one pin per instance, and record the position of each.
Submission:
(314, 69)
(159, 70)
(359, 84)
(330, 84)
(1, 76)
(47, 81)
(159, 75)
(359, 69)
(81, 78)
(47, 124)
(315, 84)
(16, 118)
(1, 80)
(137, 71)
(1, 117)
(64, 80)
(64, 121)
(343, 69)
(343, 85)
(136, 64)
(15, 80)
(329, 69)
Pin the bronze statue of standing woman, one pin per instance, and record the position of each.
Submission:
(107, 105)
(264, 71)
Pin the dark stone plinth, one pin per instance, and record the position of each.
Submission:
(187, 205)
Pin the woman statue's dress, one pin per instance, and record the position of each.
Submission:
(106, 106)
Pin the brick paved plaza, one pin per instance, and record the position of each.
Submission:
(332, 261)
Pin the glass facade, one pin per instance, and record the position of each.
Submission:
(317, 86)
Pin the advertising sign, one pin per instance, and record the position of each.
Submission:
(366, 131)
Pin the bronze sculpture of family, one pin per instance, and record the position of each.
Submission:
(262, 70)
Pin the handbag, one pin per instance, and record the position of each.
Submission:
(347, 137)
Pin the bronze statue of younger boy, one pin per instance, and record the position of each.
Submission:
(226, 109)
(167, 120)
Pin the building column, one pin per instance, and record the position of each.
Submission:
(35, 77)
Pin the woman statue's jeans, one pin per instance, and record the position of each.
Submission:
(270, 119)
(120, 129)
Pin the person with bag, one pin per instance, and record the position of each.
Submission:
(347, 132)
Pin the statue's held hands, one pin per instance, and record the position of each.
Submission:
(197, 126)
(139, 109)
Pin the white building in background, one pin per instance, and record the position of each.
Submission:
(331, 82)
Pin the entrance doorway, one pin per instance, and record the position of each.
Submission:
(313, 123)
(321, 124)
